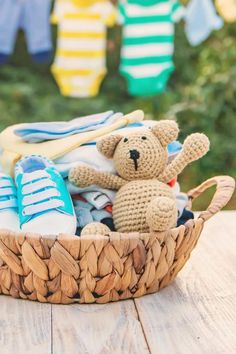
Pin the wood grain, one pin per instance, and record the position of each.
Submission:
(194, 315)
(25, 327)
(97, 329)
(197, 314)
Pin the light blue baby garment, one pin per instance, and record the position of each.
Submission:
(86, 214)
(201, 19)
(38, 132)
(30, 15)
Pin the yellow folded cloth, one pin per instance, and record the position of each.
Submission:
(227, 9)
(14, 147)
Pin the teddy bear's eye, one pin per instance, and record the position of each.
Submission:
(144, 138)
(125, 140)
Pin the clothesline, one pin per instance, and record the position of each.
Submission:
(80, 62)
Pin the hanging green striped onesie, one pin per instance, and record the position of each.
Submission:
(148, 43)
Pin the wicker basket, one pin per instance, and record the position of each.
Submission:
(67, 269)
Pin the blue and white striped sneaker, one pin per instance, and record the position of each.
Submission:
(9, 218)
(45, 205)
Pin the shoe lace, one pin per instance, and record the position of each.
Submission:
(40, 193)
(8, 198)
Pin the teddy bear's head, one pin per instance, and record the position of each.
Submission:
(140, 155)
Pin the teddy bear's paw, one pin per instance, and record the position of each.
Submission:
(95, 228)
(166, 131)
(82, 176)
(195, 146)
(161, 214)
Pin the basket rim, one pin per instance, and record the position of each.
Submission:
(65, 269)
(225, 186)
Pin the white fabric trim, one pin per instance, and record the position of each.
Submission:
(33, 183)
(38, 208)
(34, 176)
(149, 29)
(161, 9)
(147, 50)
(40, 196)
(5, 183)
(36, 186)
(147, 70)
(10, 203)
(80, 63)
(7, 191)
(81, 26)
(81, 44)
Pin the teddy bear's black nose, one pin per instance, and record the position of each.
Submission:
(134, 154)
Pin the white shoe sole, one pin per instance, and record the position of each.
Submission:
(9, 219)
(52, 223)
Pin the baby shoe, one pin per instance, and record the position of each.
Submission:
(9, 218)
(45, 205)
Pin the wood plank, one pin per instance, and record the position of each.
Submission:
(25, 327)
(197, 313)
(97, 329)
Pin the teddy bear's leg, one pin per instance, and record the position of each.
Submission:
(161, 214)
(95, 228)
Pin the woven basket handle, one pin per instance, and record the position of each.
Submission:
(225, 186)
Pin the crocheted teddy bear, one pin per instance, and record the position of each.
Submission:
(144, 200)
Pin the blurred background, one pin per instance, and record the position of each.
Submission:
(201, 94)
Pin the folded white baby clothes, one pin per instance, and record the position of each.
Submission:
(110, 194)
(88, 155)
(38, 132)
(181, 199)
(97, 199)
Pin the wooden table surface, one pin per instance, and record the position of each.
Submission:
(196, 314)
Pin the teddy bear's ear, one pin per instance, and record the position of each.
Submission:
(166, 131)
(107, 145)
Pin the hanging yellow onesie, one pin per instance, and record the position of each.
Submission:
(80, 63)
(227, 9)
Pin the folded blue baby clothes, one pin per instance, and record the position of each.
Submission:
(186, 215)
(99, 215)
(201, 19)
(38, 132)
(32, 16)
(83, 213)
(86, 213)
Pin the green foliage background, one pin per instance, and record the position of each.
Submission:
(201, 95)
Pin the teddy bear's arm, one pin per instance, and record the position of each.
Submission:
(83, 176)
(108, 180)
(173, 169)
(195, 146)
